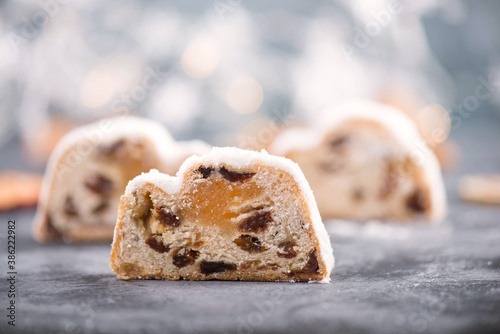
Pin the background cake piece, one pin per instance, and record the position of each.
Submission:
(89, 170)
(231, 214)
(367, 161)
(480, 188)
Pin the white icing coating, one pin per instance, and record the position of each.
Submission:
(109, 130)
(402, 128)
(394, 120)
(241, 159)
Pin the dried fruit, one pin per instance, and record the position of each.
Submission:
(331, 166)
(417, 201)
(101, 207)
(69, 207)
(288, 252)
(339, 142)
(312, 265)
(256, 223)
(205, 171)
(51, 230)
(99, 184)
(167, 217)
(184, 257)
(232, 176)
(212, 267)
(358, 195)
(390, 182)
(249, 243)
(155, 242)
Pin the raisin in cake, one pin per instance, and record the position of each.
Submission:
(231, 214)
(367, 161)
(89, 170)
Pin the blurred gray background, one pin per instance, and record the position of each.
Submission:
(218, 70)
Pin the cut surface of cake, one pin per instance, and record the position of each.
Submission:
(231, 214)
(89, 171)
(367, 161)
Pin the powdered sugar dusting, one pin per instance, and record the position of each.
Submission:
(169, 184)
(394, 120)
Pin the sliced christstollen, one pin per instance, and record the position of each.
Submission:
(231, 214)
(89, 170)
(367, 161)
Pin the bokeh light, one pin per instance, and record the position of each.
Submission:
(244, 95)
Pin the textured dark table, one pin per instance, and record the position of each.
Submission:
(387, 279)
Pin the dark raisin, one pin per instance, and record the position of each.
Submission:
(69, 207)
(312, 265)
(51, 230)
(185, 257)
(205, 171)
(390, 182)
(417, 201)
(212, 267)
(256, 223)
(331, 166)
(155, 242)
(388, 185)
(113, 148)
(166, 217)
(99, 184)
(101, 207)
(288, 252)
(249, 243)
(358, 195)
(339, 142)
(235, 176)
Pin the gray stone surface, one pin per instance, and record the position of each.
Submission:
(388, 279)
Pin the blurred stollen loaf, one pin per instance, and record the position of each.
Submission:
(89, 170)
(367, 161)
